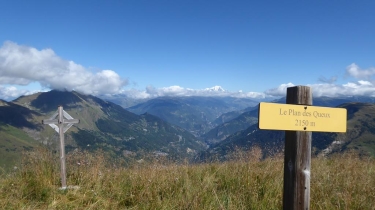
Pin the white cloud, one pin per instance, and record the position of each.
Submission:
(173, 91)
(359, 88)
(22, 65)
(11, 92)
(279, 91)
(365, 83)
(152, 92)
(355, 71)
(364, 86)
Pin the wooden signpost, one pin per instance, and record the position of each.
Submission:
(64, 121)
(298, 121)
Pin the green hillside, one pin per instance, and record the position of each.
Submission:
(360, 136)
(235, 121)
(13, 142)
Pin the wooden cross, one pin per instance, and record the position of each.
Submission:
(61, 125)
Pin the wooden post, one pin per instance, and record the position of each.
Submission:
(62, 147)
(297, 160)
(298, 118)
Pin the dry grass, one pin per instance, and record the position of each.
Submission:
(340, 182)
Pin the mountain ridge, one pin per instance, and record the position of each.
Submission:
(119, 132)
(360, 136)
(103, 125)
(249, 116)
(195, 113)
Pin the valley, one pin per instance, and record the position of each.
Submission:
(192, 128)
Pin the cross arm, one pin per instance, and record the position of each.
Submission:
(55, 121)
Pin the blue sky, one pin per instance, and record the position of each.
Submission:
(153, 48)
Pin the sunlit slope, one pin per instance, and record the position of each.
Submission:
(13, 139)
(360, 135)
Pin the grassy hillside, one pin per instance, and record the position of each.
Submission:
(360, 135)
(361, 128)
(242, 183)
(13, 143)
(17, 116)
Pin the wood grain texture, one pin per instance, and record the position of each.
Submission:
(297, 159)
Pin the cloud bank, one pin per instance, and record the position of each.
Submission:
(359, 88)
(365, 86)
(152, 92)
(8, 93)
(22, 65)
(325, 87)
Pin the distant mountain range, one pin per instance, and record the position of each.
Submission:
(195, 114)
(215, 119)
(238, 128)
(103, 125)
(179, 127)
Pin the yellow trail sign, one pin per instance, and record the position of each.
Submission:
(274, 116)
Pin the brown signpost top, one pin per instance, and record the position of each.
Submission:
(273, 116)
